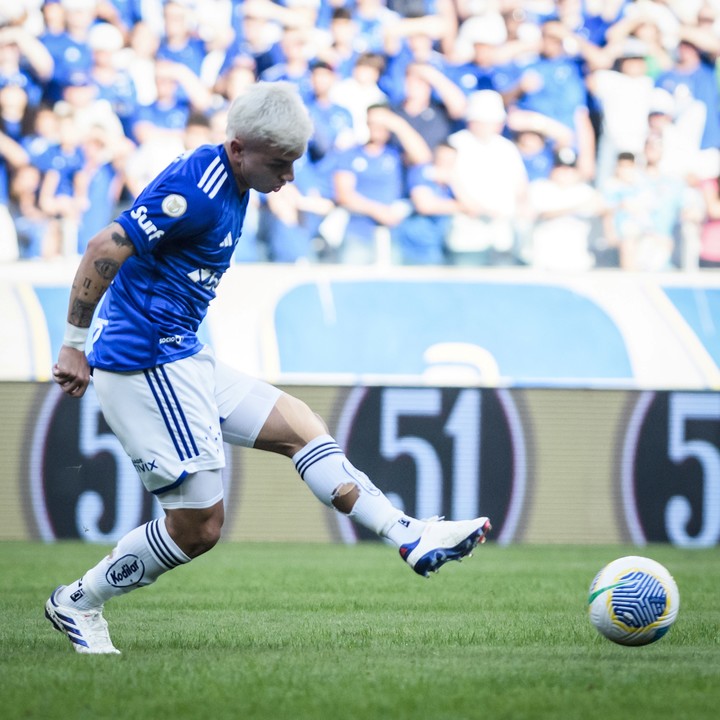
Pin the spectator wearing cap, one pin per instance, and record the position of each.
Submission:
(490, 182)
(565, 211)
(624, 95)
(485, 61)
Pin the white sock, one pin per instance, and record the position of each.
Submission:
(324, 467)
(139, 558)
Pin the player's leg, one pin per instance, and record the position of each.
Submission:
(263, 417)
(162, 419)
(139, 559)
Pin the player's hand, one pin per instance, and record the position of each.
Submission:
(72, 372)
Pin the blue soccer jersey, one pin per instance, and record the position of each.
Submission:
(184, 226)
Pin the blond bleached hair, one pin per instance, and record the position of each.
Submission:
(270, 113)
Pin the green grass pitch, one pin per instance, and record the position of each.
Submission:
(254, 631)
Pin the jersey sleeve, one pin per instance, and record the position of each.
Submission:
(171, 209)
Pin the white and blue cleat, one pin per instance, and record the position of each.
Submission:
(442, 541)
(87, 630)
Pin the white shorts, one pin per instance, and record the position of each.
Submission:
(169, 419)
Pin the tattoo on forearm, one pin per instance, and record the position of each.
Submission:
(90, 286)
(106, 268)
(81, 313)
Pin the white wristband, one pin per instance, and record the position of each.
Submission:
(75, 336)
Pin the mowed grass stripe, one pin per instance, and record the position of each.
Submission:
(314, 631)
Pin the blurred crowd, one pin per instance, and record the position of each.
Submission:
(558, 134)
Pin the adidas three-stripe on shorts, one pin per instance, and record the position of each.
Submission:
(169, 419)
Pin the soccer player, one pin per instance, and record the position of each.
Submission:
(165, 396)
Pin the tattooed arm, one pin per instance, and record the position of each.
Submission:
(105, 253)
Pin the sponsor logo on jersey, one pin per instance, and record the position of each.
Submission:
(207, 278)
(145, 224)
(126, 571)
(174, 205)
(213, 178)
(227, 241)
(175, 339)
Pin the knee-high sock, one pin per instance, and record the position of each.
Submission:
(139, 558)
(324, 467)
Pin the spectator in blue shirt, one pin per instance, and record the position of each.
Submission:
(488, 66)
(24, 61)
(694, 79)
(370, 183)
(294, 65)
(179, 91)
(332, 123)
(114, 84)
(421, 236)
(70, 50)
(254, 37)
(12, 156)
(178, 43)
(61, 193)
(553, 87)
(345, 42)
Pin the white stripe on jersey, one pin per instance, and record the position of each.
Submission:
(207, 172)
(213, 178)
(214, 190)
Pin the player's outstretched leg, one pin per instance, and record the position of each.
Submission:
(443, 540)
(426, 545)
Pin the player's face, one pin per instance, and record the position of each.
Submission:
(261, 167)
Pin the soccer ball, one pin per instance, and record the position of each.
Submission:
(633, 601)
